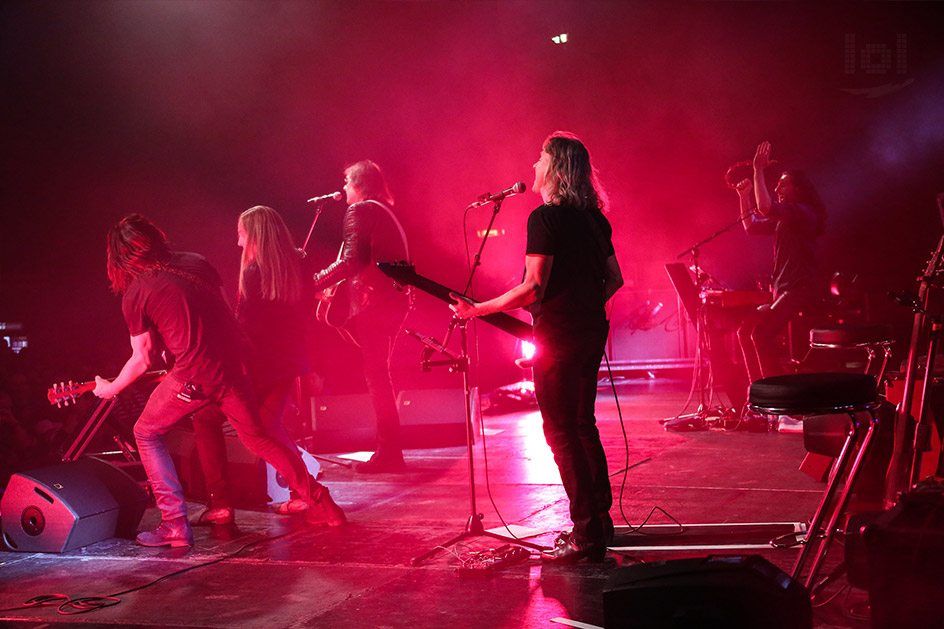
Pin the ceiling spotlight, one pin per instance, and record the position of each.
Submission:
(560, 39)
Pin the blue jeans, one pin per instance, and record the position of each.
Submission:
(236, 400)
(565, 383)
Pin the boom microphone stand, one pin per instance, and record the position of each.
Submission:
(460, 363)
(702, 378)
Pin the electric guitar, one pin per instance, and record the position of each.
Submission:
(404, 273)
(64, 393)
(905, 465)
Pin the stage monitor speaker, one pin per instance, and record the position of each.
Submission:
(904, 550)
(61, 507)
(252, 481)
(433, 418)
(735, 592)
(429, 418)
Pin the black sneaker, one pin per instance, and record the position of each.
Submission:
(382, 464)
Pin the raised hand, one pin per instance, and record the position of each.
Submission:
(762, 156)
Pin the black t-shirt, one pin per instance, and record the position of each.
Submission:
(795, 228)
(580, 242)
(183, 307)
(275, 330)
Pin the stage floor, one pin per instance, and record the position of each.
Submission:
(272, 571)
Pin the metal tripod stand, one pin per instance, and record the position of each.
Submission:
(473, 526)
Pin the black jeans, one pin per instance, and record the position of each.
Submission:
(757, 335)
(565, 382)
(375, 329)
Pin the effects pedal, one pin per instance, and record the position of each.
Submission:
(480, 565)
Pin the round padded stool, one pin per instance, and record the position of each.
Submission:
(869, 336)
(810, 394)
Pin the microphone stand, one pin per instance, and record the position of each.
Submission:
(299, 388)
(477, 260)
(693, 250)
(320, 206)
(461, 363)
(704, 378)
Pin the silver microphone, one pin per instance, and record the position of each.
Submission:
(334, 195)
(488, 197)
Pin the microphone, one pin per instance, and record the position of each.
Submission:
(488, 197)
(334, 195)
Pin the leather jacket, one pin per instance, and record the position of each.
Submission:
(369, 236)
(355, 254)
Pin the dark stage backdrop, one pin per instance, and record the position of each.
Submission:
(192, 111)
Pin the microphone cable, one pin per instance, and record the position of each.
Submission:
(67, 605)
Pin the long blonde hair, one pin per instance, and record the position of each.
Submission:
(269, 246)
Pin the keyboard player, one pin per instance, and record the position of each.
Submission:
(795, 220)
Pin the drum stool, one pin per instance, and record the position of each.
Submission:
(870, 336)
(812, 394)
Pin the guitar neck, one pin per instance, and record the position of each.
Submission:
(66, 392)
(405, 274)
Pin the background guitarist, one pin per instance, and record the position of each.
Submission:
(373, 309)
(175, 298)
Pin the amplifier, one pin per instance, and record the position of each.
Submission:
(429, 418)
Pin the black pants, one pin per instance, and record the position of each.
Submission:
(758, 333)
(565, 382)
(376, 328)
(273, 395)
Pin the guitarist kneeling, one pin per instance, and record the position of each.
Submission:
(363, 304)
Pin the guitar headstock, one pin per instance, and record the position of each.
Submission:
(935, 264)
(64, 393)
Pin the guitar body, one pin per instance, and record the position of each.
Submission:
(336, 307)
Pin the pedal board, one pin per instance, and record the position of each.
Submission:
(482, 564)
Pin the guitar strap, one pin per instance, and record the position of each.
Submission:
(408, 291)
(396, 221)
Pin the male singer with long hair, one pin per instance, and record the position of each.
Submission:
(174, 300)
(376, 310)
(570, 273)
